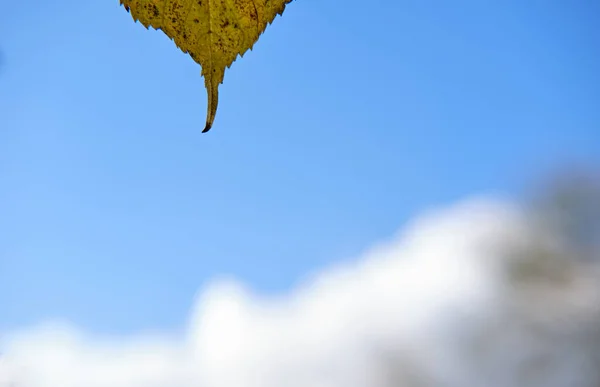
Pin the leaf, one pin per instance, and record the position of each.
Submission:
(213, 32)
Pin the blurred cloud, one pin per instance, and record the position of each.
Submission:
(569, 201)
(449, 301)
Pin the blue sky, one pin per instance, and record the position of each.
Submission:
(341, 125)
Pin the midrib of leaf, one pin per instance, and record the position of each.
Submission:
(209, 77)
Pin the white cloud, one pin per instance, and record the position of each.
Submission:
(435, 306)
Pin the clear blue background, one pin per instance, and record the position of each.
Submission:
(347, 119)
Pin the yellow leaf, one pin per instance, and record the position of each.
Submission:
(213, 32)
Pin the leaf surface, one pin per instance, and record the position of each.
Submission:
(212, 32)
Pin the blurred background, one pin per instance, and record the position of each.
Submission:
(393, 195)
